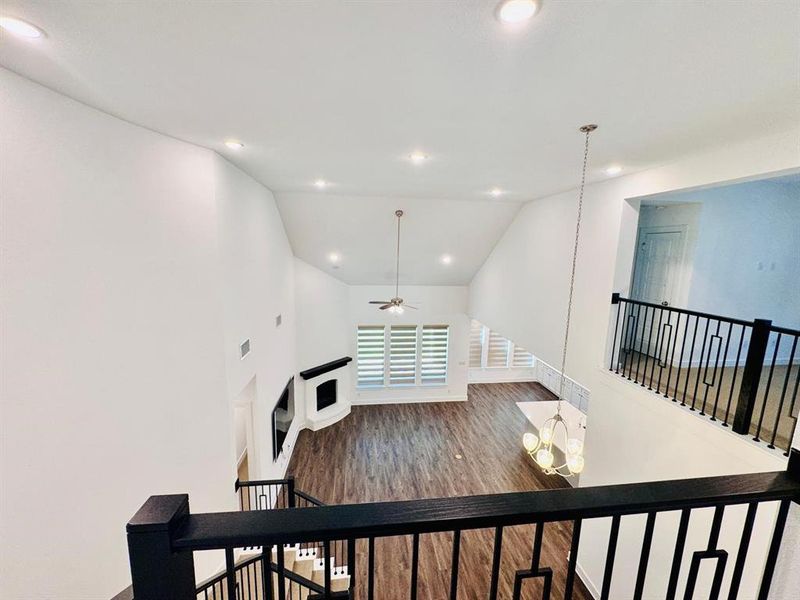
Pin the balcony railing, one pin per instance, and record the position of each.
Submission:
(744, 374)
(163, 536)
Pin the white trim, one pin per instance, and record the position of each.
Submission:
(587, 581)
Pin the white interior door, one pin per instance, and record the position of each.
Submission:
(656, 275)
(658, 262)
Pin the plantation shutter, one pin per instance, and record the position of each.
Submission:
(403, 355)
(371, 354)
(521, 358)
(475, 343)
(498, 350)
(433, 368)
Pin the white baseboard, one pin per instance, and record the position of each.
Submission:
(373, 401)
(590, 586)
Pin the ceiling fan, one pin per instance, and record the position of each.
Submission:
(396, 305)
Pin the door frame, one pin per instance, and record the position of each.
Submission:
(682, 282)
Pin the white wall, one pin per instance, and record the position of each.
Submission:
(257, 283)
(133, 265)
(521, 291)
(745, 261)
(323, 324)
(437, 305)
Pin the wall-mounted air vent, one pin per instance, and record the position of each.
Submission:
(244, 348)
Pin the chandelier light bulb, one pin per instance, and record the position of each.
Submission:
(575, 463)
(574, 446)
(545, 458)
(546, 434)
(530, 441)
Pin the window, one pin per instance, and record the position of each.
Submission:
(498, 351)
(371, 351)
(475, 344)
(521, 357)
(402, 355)
(435, 339)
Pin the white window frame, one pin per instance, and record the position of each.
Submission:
(387, 333)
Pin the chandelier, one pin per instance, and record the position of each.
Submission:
(540, 448)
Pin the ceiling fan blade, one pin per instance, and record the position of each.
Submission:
(385, 306)
(409, 306)
(380, 302)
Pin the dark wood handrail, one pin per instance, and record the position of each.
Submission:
(686, 311)
(254, 528)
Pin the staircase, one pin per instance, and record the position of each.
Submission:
(303, 565)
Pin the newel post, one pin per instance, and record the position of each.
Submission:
(158, 572)
(754, 363)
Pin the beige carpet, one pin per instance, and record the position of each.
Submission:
(720, 399)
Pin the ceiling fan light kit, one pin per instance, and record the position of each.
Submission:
(396, 305)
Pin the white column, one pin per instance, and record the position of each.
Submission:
(786, 582)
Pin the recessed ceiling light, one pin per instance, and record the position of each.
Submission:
(334, 257)
(513, 12)
(418, 157)
(20, 28)
(234, 144)
(446, 259)
(320, 184)
(614, 170)
(495, 192)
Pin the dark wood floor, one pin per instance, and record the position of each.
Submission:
(408, 451)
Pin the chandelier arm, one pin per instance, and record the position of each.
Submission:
(587, 130)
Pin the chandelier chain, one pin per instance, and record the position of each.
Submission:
(587, 130)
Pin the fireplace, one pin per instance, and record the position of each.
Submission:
(326, 394)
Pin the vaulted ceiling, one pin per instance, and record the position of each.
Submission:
(345, 91)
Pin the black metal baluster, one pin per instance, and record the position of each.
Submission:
(414, 565)
(612, 551)
(791, 409)
(708, 363)
(774, 547)
(454, 564)
(628, 337)
(672, 359)
(266, 572)
(641, 344)
(498, 547)
(722, 374)
(326, 554)
(657, 355)
(733, 380)
(677, 557)
(662, 353)
(644, 557)
(230, 573)
(680, 362)
(627, 315)
(536, 552)
(573, 559)
(689, 366)
(281, 573)
(766, 391)
(741, 556)
(700, 366)
(649, 346)
(783, 395)
(371, 569)
(351, 565)
(615, 300)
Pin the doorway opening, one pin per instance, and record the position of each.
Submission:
(243, 434)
